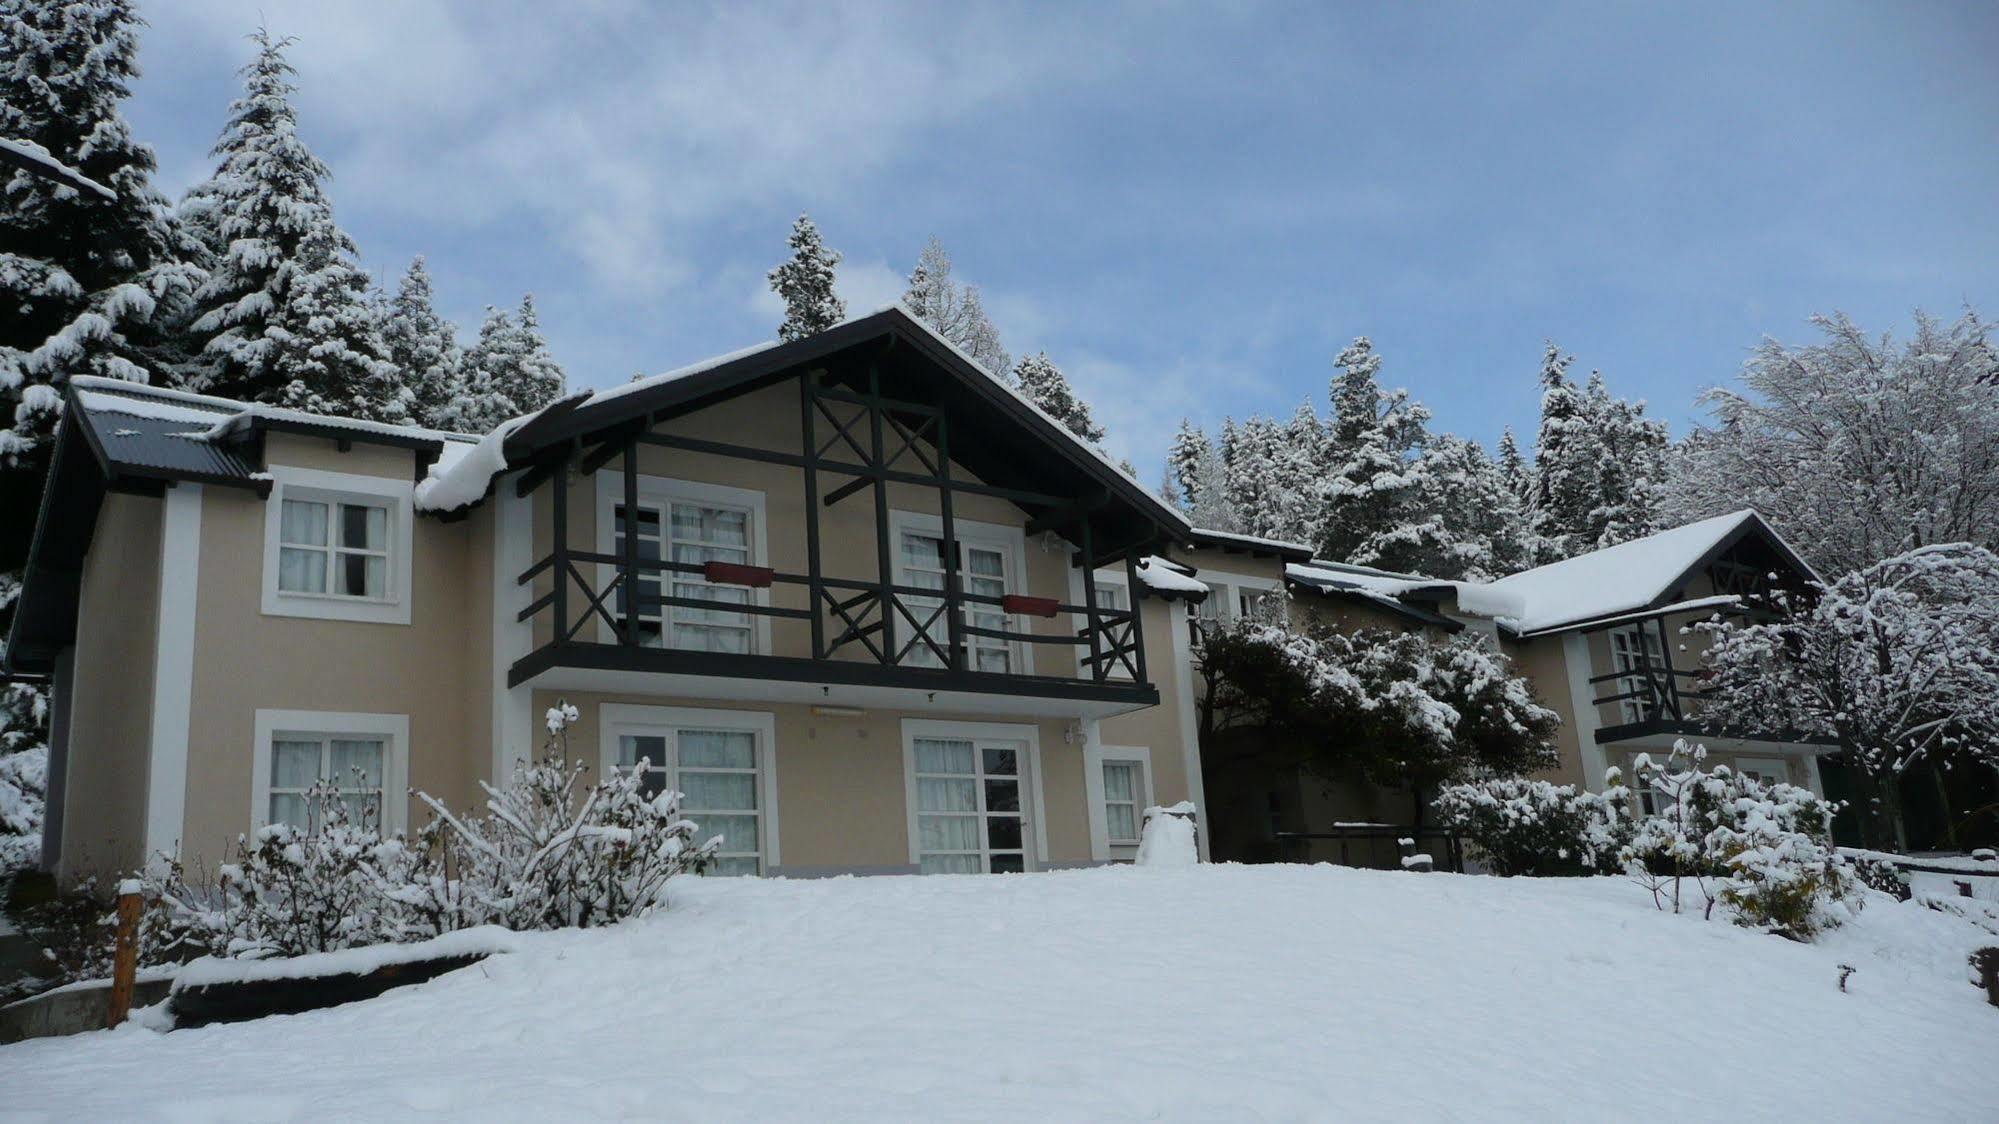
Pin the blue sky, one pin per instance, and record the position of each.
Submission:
(1190, 208)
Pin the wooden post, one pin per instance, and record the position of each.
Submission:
(125, 962)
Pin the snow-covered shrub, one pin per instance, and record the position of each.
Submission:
(291, 891)
(551, 854)
(1716, 836)
(1530, 827)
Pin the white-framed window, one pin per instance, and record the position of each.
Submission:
(1118, 785)
(973, 791)
(1632, 647)
(991, 563)
(722, 762)
(337, 546)
(364, 756)
(1111, 594)
(1234, 597)
(1764, 770)
(688, 522)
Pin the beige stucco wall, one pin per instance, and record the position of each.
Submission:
(840, 780)
(104, 807)
(430, 669)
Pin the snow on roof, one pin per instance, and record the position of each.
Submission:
(226, 416)
(1617, 579)
(463, 472)
(29, 153)
(1252, 540)
(1395, 591)
(1164, 575)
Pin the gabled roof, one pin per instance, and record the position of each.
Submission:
(996, 434)
(1643, 574)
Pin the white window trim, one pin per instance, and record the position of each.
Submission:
(1101, 847)
(662, 491)
(1235, 583)
(615, 718)
(1765, 765)
(1010, 541)
(1105, 578)
(336, 487)
(394, 729)
(1025, 733)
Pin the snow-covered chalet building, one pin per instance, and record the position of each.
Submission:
(869, 609)
(1604, 638)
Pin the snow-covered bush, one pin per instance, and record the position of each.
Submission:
(1716, 836)
(550, 852)
(1530, 827)
(545, 857)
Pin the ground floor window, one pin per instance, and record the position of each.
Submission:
(362, 757)
(971, 806)
(1119, 779)
(719, 761)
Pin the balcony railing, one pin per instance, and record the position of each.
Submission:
(1659, 690)
(894, 625)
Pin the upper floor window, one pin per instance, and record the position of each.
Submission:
(690, 524)
(988, 566)
(332, 548)
(1636, 649)
(337, 546)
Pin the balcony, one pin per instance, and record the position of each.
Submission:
(850, 628)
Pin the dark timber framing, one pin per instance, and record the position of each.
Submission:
(859, 439)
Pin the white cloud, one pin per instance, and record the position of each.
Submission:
(625, 127)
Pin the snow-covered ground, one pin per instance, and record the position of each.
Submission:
(1204, 993)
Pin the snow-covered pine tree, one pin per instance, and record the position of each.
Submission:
(1183, 463)
(1210, 507)
(423, 346)
(805, 283)
(1298, 478)
(1566, 457)
(506, 372)
(327, 353)
(1599, 465)
(954, 310)
(525, 373)
(1512, 466)
(87, 285)
(1482, 531)
(1374, 512)
(282, 316)
(1249, 471)
(1042, 383)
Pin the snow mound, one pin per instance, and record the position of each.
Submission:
(1168, 839)
(485, 940)
(1213, 992)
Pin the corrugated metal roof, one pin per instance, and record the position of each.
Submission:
(134, 442)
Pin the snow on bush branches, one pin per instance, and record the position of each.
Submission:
(1529, 827)
(550, 852)
(1698, 837)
